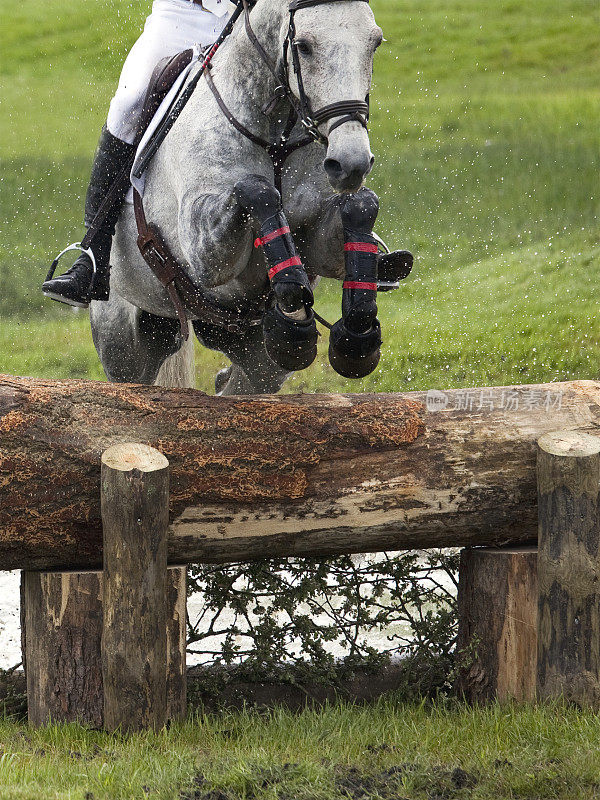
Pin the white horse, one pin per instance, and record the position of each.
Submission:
(210, 190)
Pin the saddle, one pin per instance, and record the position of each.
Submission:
(164, 76)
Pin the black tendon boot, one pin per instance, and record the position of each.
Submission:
(290, 331)
(79, 285)
(291, 343)
(355, 340)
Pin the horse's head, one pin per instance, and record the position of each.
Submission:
(334, 47)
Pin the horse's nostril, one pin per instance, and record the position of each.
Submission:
(334, 169)
(372, 162)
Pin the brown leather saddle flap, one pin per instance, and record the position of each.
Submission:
(164, 76)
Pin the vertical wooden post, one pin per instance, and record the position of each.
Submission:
(62, 611)
(135, 518)
(569, 567)
(176, 643)
(497, 611)
(61, 630)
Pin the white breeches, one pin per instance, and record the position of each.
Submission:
(173, 26)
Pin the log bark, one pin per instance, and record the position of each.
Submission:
(62, 612)
(280, 476)
(497, 635)
(135, 517)
(569, 568)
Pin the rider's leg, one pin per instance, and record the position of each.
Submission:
(79, 285)
(173, 26)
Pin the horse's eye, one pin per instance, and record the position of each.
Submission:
(304, 47)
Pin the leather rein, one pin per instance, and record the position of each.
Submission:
(181, 290)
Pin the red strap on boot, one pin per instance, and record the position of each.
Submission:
(263, 240)
(360, 247)
(295, 261)
(369, 287)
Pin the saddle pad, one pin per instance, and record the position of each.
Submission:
(163, 109)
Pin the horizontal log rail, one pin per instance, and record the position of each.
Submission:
(309, 475)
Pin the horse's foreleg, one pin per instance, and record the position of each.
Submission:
(342, 244)
(215, 236)
(289, 325)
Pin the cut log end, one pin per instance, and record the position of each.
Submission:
(129, 457)
(570, 443)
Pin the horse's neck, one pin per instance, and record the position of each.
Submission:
(239, 72)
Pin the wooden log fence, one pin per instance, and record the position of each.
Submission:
(290, 476)
(279, 476)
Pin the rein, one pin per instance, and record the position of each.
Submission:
(300, 108)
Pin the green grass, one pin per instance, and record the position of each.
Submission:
(385, 752)
(486, 129)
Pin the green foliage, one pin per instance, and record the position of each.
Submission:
(278, 620)
(13, 693)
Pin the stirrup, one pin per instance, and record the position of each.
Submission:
(384, 250)
(88, 252)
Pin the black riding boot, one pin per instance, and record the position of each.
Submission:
(79, 285)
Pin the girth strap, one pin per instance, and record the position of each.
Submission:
(159, 259)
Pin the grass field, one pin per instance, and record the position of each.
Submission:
(387, 752)
(486, 120)
(486, 130)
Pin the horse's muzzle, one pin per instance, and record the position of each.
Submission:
(346, 173)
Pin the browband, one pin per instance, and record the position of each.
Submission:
(295, 5)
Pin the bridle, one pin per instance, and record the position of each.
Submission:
(300, 107)
(347, 110)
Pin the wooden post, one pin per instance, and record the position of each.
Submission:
(569, 567)
(497, 608)
(62, 612)
(62, 626)
(176, 643)
(135, 517)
